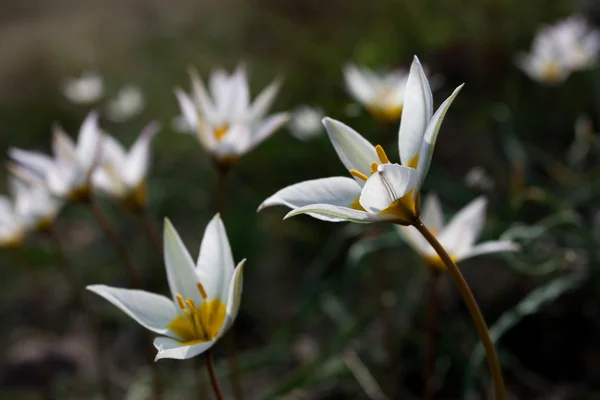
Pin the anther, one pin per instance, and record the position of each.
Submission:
(201, 290)
(358, 174)
(180, 301)
(374, 167)
(381, 154)
(191, 304)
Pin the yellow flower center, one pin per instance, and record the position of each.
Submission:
(80, 194)
(198, 324)
(220, 131)
(405, 207)
(436, 262)
(386, 115)
(552, 72)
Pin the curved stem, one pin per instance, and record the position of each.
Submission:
(210, 366)
(431, 331)
(471, 303)
(132, 272)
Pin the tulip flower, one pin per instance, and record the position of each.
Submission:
(225, 122)
(121, 174)
(34, 204)
(381, 94)
(205, 296)
(458, 237)
(379, 190)
(559, 49)
(85, 89)
(67, 174)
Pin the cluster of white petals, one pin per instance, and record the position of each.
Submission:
(559, 49)
(226, 123)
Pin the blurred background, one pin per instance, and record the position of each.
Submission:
(329, 311)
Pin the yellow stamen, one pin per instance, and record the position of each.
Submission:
(180, 301)
(221, 131)
(381, 154)
(200, 328)
(201, 290)
(358, 174)
(374, 167)
(190, 303)
(356, 205)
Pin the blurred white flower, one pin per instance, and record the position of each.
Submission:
(478, 178)
(12, 226)
(205, 295)
(225, 122)
(121, 174)
(559, 49)
(380, 190)
(180, 125)
(85, 89)
(458, 237)
(128, 103)
(306, 122)
(67, 174)
(34, 204)
(381, 94)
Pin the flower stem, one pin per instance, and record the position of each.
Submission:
(210, 366)
(69, 275)
(109, 230)
(471, 303)
(232, 359)
(432, 299)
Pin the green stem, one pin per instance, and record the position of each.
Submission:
(109, 230)
(210, 366)
(471, 303)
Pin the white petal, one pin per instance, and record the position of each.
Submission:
(180, 266)
(354, 150)
(388, 184)
(136, 165)
(432, 214)
(215, 260)
(234, 297)
(188, 109)
(261, 105)
(169, 348)
(268, 127)
(338, 213)
(113, 152)
(88, 142)
(418, 108)
(150, 310)
(239, 94)
(337, 191)
(494, 246)
(237, 141)
(415, 240)
(63, 146)
(105, 182)
(427, 147)
(358, 85)
(6, 210)
(37, 163)
(201, 97)
(462, 231)
(219, 85)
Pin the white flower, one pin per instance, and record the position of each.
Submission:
(34, 204)
(380, 190)
(226, 123)
(458, 237)
(67, 174)
(205, 296)
(128, 103)
(306, 122)
(381, 94)
(579, 42)
(85, 89)
(559, 49)
(478, 178)
(12, 227)
(122, 174)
